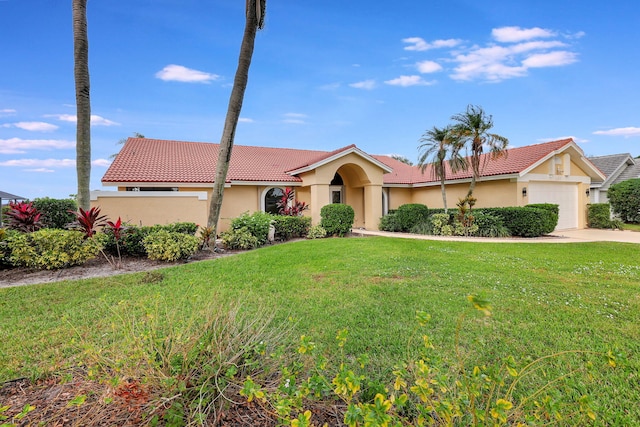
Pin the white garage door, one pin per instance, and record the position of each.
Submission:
(564, 195)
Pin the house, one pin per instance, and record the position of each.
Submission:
(161, 181)
(4, 196)
(616, 168)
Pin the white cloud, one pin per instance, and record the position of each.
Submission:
(419, 44)
(330, 86)
(626, 132)
(517, 34)
(40, 163)
(18, 145)
(294, 118)
(34, 126)
(428, 67)
(365, 84)
(95, 119)
(406, 81)
(558, 138)
(178, 73)
(245, 120)
(40, 170)
(7, 112)
(551, 59)
(101, 162)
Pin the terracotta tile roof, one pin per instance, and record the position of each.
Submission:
(162, 161)
(517, 160)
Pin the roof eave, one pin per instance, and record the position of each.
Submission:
(337, 156)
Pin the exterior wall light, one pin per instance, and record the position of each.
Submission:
(524, 191)
(588, 192)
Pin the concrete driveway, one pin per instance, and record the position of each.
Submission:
(561, 236)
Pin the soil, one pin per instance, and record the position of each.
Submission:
(97, 267)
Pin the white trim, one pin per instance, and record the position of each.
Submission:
(385, 202)
(201, 195)
(555, 178)
(269, 183)
(465, 180)
(354, 150)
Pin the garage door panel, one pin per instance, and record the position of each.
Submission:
(564, 195)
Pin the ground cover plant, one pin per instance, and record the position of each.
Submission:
(546, 298)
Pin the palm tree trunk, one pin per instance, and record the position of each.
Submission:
(233, 113)
(444, 192)
(83, 101)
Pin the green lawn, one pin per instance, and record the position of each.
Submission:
(632, 227)
(546, 298)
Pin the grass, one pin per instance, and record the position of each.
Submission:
(546, 298)
(632, 227)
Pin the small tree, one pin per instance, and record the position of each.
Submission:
(624, 198)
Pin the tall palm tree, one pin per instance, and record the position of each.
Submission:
(438, 143)
(255, 10)
(83, 101)
(472, 127)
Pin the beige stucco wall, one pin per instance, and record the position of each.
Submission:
(495, 193)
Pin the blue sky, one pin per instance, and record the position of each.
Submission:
(324, 75)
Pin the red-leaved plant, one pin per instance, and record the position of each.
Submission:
(117, 229)
(289, 206)
(23, 216)
(88, 221)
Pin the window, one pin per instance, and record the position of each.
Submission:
(270, 198)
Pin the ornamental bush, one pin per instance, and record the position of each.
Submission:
(239, 239)
(489, 225)
(50, 249)
(163, 245)
(525, 221)
(56, 213)
(411, 214)
(337, 219)
(389, 222)
(624, 198)
(288, 227)
(316, 232)
(599, 216)
(256, 223)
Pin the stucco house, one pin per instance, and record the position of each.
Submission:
(616, 168)
(160, 181)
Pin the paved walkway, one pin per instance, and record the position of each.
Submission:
(563, 236)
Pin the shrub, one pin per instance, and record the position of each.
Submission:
(163, 245)
(490, 225)
(423, 228)
(389, 222)
(5, 252)
(88, 221)
(624, 198)
(51, 248)
(599, 216)
(337, 219)
(256, 223)
(411, 214)
(178, 227)
(288, 227)
(130, 241)
(23, 216)
(239, 239)
(441, 224)
(316, 232)
(525, 221)
(551, 207)
(55, 212)
(289, 205)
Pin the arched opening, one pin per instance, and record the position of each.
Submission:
(336, 189)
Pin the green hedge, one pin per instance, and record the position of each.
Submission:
(288, 227)
(56, 213)
(164, 245)
(624, 198)
(50, 249)
(337, 219)
(411, 214)
(599, 216)
(525, 221)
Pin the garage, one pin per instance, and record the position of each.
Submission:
(565, 195)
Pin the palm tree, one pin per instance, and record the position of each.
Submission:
(437, 144)
(255, 10)
(472, 127)
(83, 101)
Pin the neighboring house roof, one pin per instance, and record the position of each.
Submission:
(616, 168)
(5, 195)
(143, 160)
